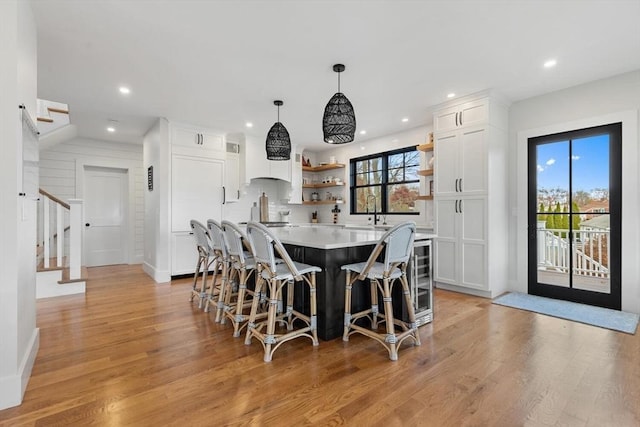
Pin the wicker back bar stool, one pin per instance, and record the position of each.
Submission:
(220, 269)
(397, 244)
(274, 276)
(205, 258)
(241, 268)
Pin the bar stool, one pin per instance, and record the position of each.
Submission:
(274, 276)
(241, 267)
(397, 244)
(205, 258)
(220, 268)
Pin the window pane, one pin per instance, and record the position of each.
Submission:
(396, 175)
(402, 197)
(362, 166)
(412, 158)
(362, 179)
(590, 175)
(411, 173)
(375, 164)
(364, 199)
(396, 160)
(375, 177)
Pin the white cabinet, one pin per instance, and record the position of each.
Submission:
(470, 200)
(461, 115)
(461, 243)
(196, 139)
(294, 195)
(184, 254)
(196, 190)
(461, 161)
(231, 178)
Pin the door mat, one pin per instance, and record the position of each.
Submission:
(596, 316)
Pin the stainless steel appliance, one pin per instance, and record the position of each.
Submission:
(421, 281)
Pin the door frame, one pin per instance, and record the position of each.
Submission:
(129, 168)
(612, 299)
(630, 270)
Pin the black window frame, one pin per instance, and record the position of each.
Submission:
(384, 185)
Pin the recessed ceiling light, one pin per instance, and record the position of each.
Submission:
(363, 132)
(550, 63)
(249, 124)
(111, 129)
(451, 95)
(125, 90)
(405, 119)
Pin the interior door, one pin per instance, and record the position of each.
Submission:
(105, 213)
(575, 202)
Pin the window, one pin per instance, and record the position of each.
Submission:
(391, 178)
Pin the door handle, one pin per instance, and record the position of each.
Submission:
(460, 184)
(456, 206)
(460, 118)
(87, 224)
(460, 206)
(456, 118)
(224, 195)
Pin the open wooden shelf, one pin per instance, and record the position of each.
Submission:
(424, 198)
(327, 167)
(322, 202)
(322, 185)
(425, 172)
(425, 147)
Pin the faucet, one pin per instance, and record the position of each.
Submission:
(375, 215)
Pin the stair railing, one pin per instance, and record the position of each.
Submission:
(53, 206)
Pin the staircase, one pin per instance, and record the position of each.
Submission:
(60, 270)
(54, 124)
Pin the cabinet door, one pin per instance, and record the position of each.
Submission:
(446, 119)
(446, 164)
(296, 179)
(473, 242)
(196, 190)
(446, 244)
(473, 113)
(473, 161)
(231, 178)
(184, 254)
(197, 139)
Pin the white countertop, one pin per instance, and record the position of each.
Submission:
(332, 237)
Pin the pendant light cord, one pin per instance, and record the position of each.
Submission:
(339, 81)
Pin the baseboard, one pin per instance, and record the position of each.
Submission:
(463, 290)
(160, 276)
(12, 387)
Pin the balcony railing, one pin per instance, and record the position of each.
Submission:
(590, 251)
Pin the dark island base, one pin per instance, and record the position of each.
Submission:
(330, 285)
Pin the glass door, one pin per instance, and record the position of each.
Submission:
(574, 215)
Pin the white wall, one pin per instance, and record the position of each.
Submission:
(19, 337)
(616, 99)
(61, 171)
(156, 203)
(344, 153)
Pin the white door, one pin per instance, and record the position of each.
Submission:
(105, 214)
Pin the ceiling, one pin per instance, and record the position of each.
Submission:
(220, 64)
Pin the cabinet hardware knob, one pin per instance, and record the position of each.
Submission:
(87, 224)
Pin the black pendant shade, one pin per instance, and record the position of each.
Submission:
(339, 119)
(278, 143)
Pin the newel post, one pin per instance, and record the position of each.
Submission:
(75, 238)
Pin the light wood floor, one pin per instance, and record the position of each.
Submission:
(131, 352)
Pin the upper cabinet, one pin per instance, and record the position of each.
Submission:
(463, 115)
(192, 140)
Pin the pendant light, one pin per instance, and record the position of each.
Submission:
(339, 119)
(278, 142)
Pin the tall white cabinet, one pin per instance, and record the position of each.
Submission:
(203, 177)
(470, 196)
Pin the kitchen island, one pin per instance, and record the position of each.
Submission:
(330, 247)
